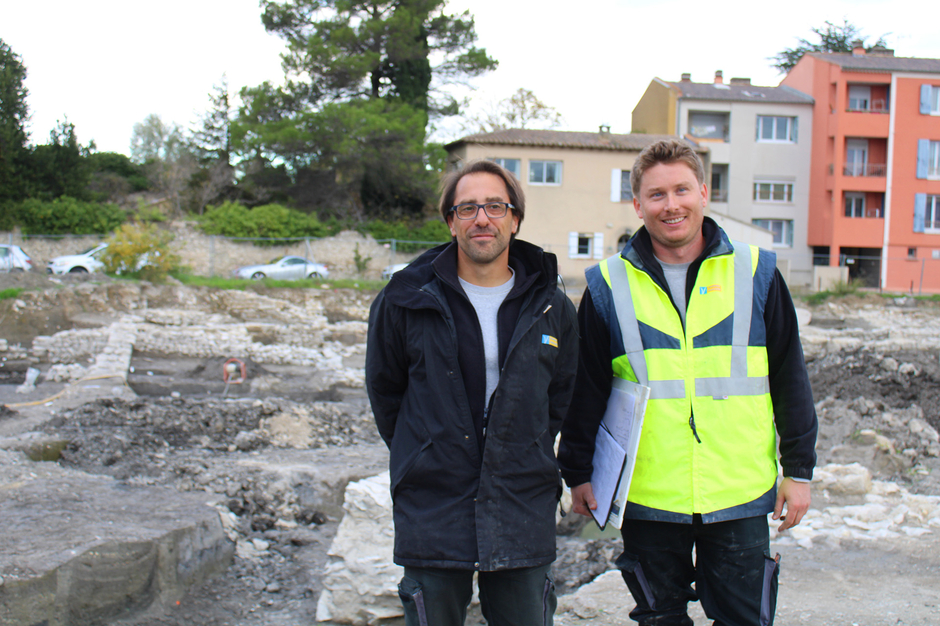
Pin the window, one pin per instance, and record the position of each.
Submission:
(912, 253)
(782, 230)
(856, 157)
(513, 165)
(545, 172)
(855, 205)
(776, 129)
(928, 158)
(585, 245)
(926, 213)
(773, 192)
(930, 99)
(708, 125)
(620, 188)
(719, 188)
(859, 98)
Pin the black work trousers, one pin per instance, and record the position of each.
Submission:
(735, 577)
(512, 597)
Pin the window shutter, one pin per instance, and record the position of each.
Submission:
(923, 156)
(925, 99)
(615, 185)
(572, 245)
(598, 245)
(793, 121)
(920, 212)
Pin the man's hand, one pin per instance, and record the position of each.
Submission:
(797, 498)
(582, 499)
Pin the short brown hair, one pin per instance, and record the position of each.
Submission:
(449, 185)
(665, 151)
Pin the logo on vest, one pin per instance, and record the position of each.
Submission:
(548, 339)
(707, 290)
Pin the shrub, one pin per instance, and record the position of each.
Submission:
(410, 237)
(271, 221)
(67, 216)
(140, 250)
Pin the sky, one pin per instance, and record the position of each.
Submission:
(105, 65)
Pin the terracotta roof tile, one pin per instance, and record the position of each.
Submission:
(880, 63)
(563, 139)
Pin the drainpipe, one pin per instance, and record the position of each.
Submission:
(889, 173)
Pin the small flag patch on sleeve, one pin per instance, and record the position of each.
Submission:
(550, 340)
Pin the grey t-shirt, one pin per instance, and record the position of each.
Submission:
(486, 302)
(675, 277)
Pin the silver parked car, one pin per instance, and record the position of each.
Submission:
(13, 259)
(284, 268)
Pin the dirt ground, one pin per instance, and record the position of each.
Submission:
(188, 441)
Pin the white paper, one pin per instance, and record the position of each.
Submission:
(624, 420)
(609, 458)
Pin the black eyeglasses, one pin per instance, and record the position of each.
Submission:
(469, 210)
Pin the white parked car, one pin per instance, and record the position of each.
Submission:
(391, 269)
(87, 261)
(284, 268)
(13, 259)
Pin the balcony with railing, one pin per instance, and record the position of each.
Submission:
(865, 169)
(862, 105)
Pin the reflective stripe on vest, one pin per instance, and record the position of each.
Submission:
(737, 383)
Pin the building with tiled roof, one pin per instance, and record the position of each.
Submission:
(758, 152)
(875, 177)
(579, 204)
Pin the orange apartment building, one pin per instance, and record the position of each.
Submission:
(874, 198)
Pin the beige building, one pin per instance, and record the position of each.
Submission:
(579, 204)
(760, 144)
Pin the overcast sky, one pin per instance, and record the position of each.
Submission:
(107, 64)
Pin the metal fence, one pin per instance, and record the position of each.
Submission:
(349, 254)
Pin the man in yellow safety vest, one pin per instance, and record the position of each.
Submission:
(709, 325)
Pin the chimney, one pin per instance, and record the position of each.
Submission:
(686, 77)
(858, 48)
(604, 129)
(718, 77)
(744, 82)
(881, 51)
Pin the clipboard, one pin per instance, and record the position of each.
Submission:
(609, 461)
(623, 422)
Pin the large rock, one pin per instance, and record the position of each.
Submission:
(78, 549)
(361, 581)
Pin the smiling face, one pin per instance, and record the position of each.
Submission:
(671, 203)
(483, 241)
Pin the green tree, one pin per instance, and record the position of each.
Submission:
(166, 156)
(832, 38)
(212, 145)
(346, 49)
(14, 115)
(114, 175)
(60, 167)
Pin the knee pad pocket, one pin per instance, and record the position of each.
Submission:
(768, 599)
(632, 572)
(411, 595)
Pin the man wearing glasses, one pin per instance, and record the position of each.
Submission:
(470, 367)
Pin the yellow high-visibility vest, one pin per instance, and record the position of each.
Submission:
(708, 439)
